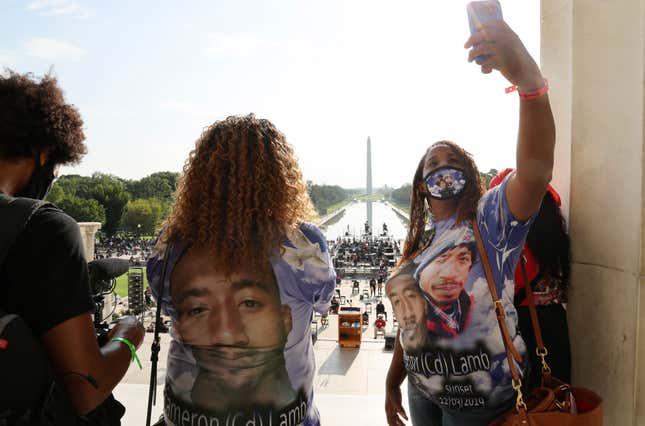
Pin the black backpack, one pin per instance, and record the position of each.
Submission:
(29, 392)
(28, 395)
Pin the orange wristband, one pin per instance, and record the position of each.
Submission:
(533, 94)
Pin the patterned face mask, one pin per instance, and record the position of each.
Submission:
(445, 183)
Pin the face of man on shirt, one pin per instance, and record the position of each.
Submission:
(444, 278)
(236, 326)
(410, 309)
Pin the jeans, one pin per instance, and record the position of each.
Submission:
(424, 412)
(451, 418)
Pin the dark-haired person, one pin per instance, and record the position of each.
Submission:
(44, 278)
(410, 308)
(244, 274)
(467, 374)
(548, 266)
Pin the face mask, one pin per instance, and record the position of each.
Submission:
(445, 183)
(40, 182)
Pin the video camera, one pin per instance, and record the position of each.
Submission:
(103, 274)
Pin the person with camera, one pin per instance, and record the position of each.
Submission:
(44, 275)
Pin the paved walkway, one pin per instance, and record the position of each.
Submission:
(349, 384)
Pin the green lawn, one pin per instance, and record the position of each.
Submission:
(122, 284)
(373, 197)
(404, 207)
(337, 206)
(330, 210)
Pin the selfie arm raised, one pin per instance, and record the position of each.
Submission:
(536, 137)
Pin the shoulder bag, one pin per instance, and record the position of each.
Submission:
(554, 402)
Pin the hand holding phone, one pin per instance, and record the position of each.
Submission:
(495, 46)
(482, 11)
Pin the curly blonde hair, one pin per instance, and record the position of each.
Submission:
(240, 194)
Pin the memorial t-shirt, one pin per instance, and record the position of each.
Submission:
(197, 379)
(461, 363)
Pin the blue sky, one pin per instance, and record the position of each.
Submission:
(147, 77)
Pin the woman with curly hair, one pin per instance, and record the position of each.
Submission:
(462, 376)
(243, 275)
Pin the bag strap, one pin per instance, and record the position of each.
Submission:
(511, 352)
(15, 214)
(154, 357)
(540, 350)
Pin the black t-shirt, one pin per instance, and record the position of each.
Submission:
(44, 278)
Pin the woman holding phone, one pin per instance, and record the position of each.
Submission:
(461, 377)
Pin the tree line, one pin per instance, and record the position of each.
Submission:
(134, 206)
(325, 196)
(140, 206)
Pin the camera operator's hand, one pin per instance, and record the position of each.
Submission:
(129, 328)
(89, 372)
(505, 52)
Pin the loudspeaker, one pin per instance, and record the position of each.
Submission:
(389, 341)
(136, 303)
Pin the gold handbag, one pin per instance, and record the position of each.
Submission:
(555, 402)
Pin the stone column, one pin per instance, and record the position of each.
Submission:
(556, 63)
(88, 233)
(592, 52)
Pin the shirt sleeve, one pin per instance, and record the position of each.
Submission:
(55, 282)
(502, 234)
(310, 263)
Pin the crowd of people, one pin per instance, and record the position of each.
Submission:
(379, 251)
(240, 271)
(136, 249)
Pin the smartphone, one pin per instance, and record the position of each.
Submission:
(482, 11)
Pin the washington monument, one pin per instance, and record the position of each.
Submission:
(369, 183)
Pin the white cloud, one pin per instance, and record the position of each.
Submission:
(59, 8)
(43, 4)
(47, 48)
(227, 44)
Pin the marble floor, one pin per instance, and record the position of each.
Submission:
(349, 384)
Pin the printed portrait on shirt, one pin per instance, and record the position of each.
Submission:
(237, 329)
(442, 276)
(410, 308)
